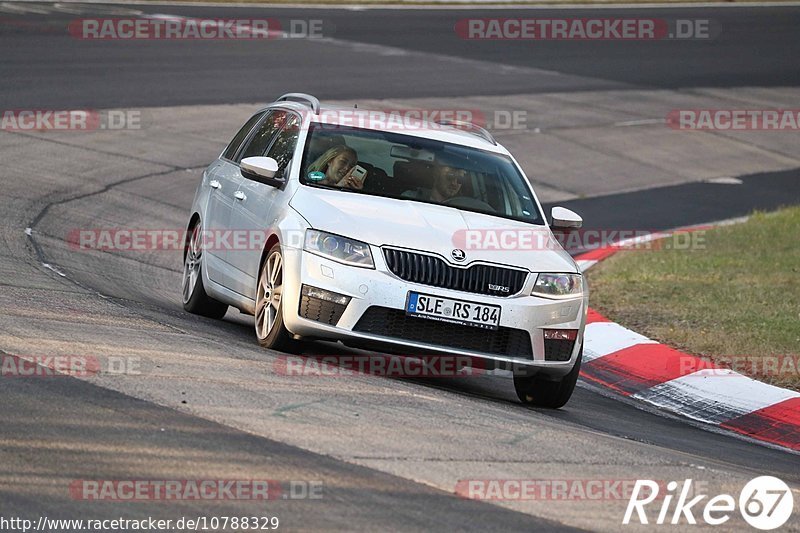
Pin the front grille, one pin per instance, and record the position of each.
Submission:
(321, 310)
(395, 323)
(558, 349)
(431, 270)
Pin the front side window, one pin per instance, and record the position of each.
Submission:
(283, 146)
(261, 138)
(410, 168)
(233, 147)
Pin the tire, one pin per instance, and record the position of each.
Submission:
(195, 299)
(270, 330)
(541, 392)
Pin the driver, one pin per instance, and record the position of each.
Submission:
(448, 178)
(447, 183)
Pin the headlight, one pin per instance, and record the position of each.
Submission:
(341, 249)
(558, 285)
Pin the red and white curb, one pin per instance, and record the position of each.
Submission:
(640, 368)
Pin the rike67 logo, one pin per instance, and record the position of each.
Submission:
(765, 503)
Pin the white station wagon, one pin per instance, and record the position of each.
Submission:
(376, 236)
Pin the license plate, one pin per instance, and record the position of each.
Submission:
(453, 311)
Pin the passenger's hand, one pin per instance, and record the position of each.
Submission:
(351, 182)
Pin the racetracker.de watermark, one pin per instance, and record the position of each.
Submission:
(546, 489)
(527, 239)
(81, 366)
(171, 239)
(415, 119)
(585, 29)
(139, 490)
(69, 120)
(776, 366)
(393, 366)
(181, 29)
(491, 239)
(734, 119)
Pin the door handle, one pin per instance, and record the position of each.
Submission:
(239, 195)
(214, 184)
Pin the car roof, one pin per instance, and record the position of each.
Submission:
(380, 120)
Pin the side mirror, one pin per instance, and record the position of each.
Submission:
(563, 218)
(262, 170)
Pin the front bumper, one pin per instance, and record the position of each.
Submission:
(380, 288)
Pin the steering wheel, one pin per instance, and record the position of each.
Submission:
(468, 202)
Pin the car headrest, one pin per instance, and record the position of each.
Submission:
(413, 174)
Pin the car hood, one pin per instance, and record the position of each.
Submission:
(426, 227)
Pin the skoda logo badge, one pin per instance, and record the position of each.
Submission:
(458, 255)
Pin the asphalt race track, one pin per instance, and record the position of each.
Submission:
(755, 48)
(207, 403)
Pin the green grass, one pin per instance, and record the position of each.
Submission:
(737, 293)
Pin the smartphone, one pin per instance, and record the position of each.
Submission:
(359, 173)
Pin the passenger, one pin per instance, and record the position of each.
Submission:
(320, 143)
(335, 168)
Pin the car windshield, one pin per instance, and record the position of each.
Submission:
(410, 168)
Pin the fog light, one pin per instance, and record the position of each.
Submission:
(559, 344)
(560, 334)
(327, 296)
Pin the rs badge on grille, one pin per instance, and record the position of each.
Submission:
(499, 288)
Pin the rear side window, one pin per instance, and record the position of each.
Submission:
(260, 140)
(233, 147)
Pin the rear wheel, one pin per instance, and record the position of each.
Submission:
(541, 392)
(195, 299)
(270, 330)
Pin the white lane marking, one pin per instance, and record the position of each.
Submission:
(585, 264)
(603, 338)
(369, 48)
(714, 396)
(79, 9)
(589, 355)
(92, 9)
(386, 50)
(641, 239)
(641, 122)
(474, 5)
(725, 180)
(25, 7)
(48, 266)
(240, 26)
(17, 8)
(393, 51)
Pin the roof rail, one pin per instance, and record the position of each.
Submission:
(310, 101)
(470, 127)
